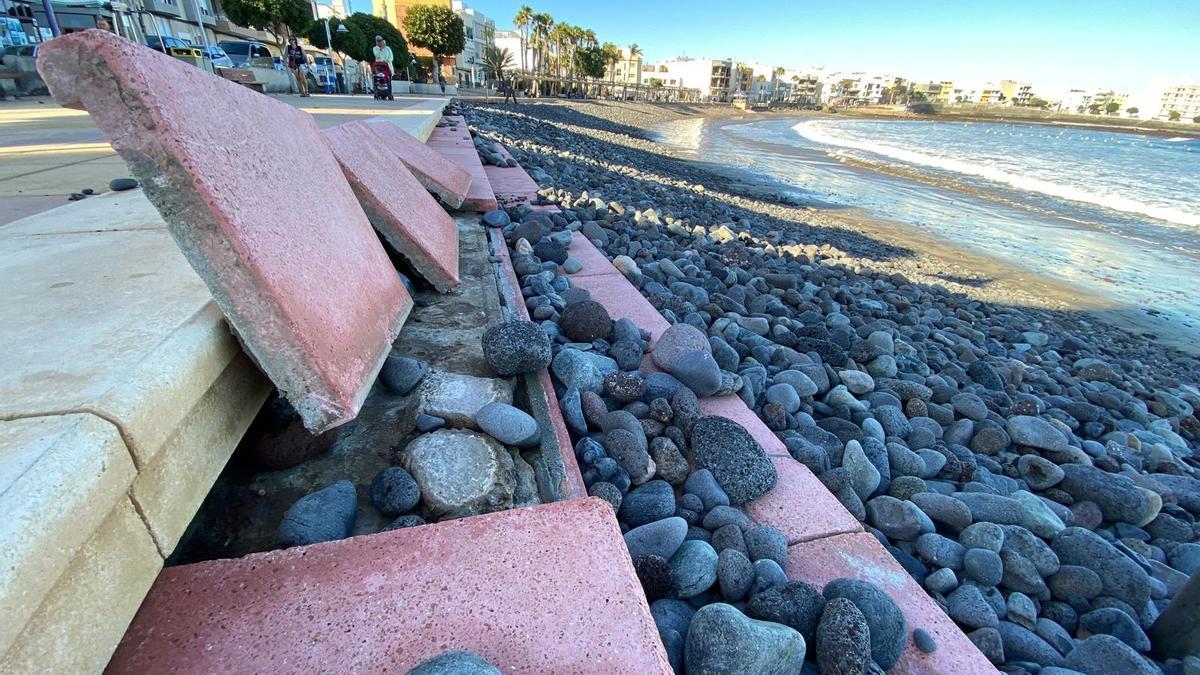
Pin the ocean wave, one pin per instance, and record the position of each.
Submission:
(816, 131)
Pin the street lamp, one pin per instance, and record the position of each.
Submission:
(329, 49)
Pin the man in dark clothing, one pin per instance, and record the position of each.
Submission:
(298, 64)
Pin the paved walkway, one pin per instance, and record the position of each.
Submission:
(48, 152)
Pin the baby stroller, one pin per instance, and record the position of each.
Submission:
(382, 80)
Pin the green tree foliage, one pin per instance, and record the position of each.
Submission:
(1036, 102)
(590, 61)
(370, 26)
(1196, 119)
(1174, 115)
(277, 17)
(1112, 107)
(352, 42)
(656, 82)
(436, 28)
(1094, 108)
(496, 61)
(1132, 111)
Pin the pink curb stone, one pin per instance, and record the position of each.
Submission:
(734, 408)
(455, 145)
(593, 260)
(546, 589)
(438, 174)
(260, 209)
(512, 185)
(862, 557)
(800, 506)
(397, 205)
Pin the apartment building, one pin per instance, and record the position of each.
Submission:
(935, 92)
(626, 71)
(716, 79)
(480, 32)
(1181, 98)
(452, 70)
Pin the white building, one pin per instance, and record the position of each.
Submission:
(511, 40)
(480, 32)
(1181, 98)
(716, 79)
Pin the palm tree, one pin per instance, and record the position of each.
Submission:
(775, 83)
(496, 61)
(612, 56)
(558, 35)
(542, 25)
(522, 21)
(634, 52)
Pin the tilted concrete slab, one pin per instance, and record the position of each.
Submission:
(87, 611)
(454, 143)
(296, 269)
(543, 589)
(397, 205)
(512, 185)
(60, 476)
(861, 556)
(419, 117)
(438, 174)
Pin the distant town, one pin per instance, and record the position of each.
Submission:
(544, 55)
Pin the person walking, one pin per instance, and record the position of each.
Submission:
(383, 59)
(510, 89)
(298, 64)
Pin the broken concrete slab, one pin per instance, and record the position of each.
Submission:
(298, 271)
(438, 174)
(391, 598)
(397, 205)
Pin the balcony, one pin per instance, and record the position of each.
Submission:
(170, 7)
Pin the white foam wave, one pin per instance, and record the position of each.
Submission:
(817, 132)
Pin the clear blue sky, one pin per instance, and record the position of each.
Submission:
(1052, 43)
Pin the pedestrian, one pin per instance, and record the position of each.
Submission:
(510, 89)
(383, 60)
(298, 64)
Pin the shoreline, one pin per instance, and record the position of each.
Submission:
(925, 259)
(1004, 281)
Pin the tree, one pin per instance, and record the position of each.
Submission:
(590, 61)
(1112, 107)
(352, 42)
(1094, 108)
(277, 17)
(1196, 119)
(634, 51)
(522, 21)
(496, 61)
(1131, 111)
(1174, 115)
(1037, 102)
(656, 82)
(370, 26)
(436, 28)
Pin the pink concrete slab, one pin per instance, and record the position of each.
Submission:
(544, 589)
(862, 557)
(512, 185)
(800, 506)
(622, 300)
(260, 208)
(397, 205)
(438, 174)
(479, 195)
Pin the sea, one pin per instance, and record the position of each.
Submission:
(1114, 214)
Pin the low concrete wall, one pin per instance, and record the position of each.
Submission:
(434, 90)
(274, 81)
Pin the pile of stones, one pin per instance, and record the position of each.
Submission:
(715, 579)
(1040, 482)
(465, 459)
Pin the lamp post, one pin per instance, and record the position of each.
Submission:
(330, 86)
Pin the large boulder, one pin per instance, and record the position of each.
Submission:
(461, 473)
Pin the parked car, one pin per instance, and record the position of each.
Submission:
(242, 52)
(172, 46)
(216, 56)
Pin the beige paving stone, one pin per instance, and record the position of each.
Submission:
(111, 322)
(81, 621)
(114, 211)
(170, 489)
(59, 478)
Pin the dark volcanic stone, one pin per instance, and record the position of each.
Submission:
(1022, 644)
(924, 641)
(122, 184)
(736, 460)
(693, 568)
(411, 520)
(655, 574)
(516, 347)
(889, 629)
(767, 542)
(324, 515)
(735, 574)
(1104, 654)
(394, 491)
(843, 639)
(795, 604)
(1122, 578)
(586, 321)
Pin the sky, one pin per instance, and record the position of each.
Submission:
(1055, 44)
